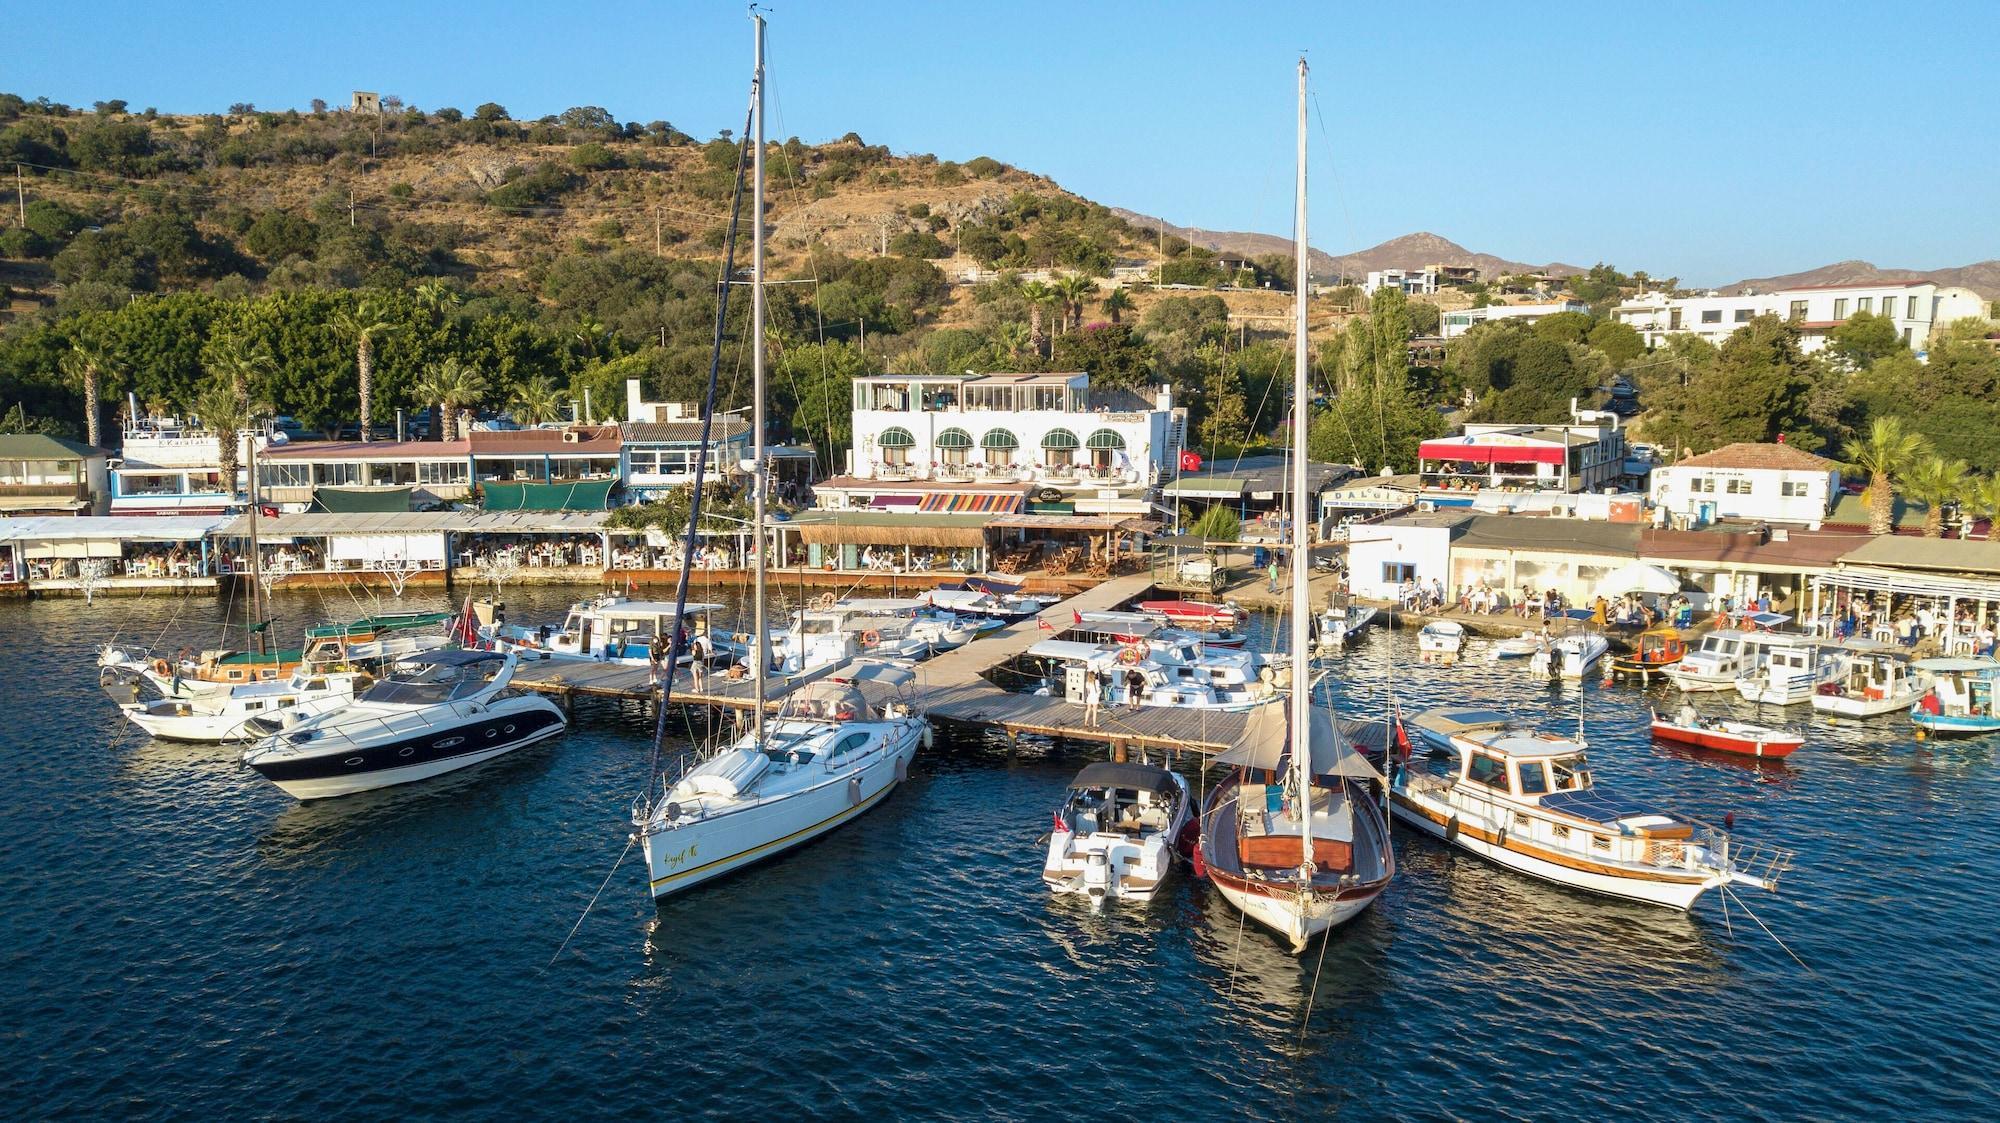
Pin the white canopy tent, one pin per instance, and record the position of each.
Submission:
(1638, 577)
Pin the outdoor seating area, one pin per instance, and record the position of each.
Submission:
(532, 551)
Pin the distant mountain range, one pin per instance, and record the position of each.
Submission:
(1411, 251)
(1981, 277)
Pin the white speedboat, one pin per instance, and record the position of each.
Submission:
(969, 601)
(1722, 656)
(1233, 686)
(1868, 679)
(1341, 623)
(1523, 646)
(827, 757)
(1440, 639)
(1789, 672)
(1526, 801)
(1116, 830)
(1568, 656)
(233, 715)
(935, 629)
(430, 714)
(613, 628)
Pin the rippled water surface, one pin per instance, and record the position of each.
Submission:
(182, 940)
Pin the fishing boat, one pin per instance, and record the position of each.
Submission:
(1526, 800)
(1115, 832)
(1654, 651)
(1789, 672)
(1568, 656)
(214, 718)
(1717, 661)
(1866, 679)
(1690, 728)
(1341, 623)
(831, 752)
(1440, 640)
(1193, 613)
(1961, 699)
(1294, 836)
(613, 628)
(433, 713)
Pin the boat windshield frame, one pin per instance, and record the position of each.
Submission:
(426, 684)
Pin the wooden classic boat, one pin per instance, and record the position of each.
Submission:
(1689, 728)
(1656, 650)
(1525, 800)
(1299, 847)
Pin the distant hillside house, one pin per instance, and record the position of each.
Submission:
(1460, 321)
(50, 476)
(1416, 282)
(1748, 480)
(1915, 308)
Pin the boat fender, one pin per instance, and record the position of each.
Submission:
(928, 737)
(853, 790)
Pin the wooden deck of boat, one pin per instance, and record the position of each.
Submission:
(951, 687)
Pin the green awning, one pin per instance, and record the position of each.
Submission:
(361, 500)
(954, 438)
(1206, 489)
(1105, 438)
(1060, 438)
(1051, 508)
(572, 495)
(999, 438)
(896, 438)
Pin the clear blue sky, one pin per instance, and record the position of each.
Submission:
(1708, 141)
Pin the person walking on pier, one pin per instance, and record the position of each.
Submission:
(1093, 696)
(1135, 688)
(1271, 574)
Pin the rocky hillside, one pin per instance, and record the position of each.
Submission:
(1982, 277)
(1411, 251)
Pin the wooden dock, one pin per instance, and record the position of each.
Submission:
(951, 687)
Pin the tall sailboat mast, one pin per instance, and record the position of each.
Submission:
(759, 631)
(1301, 700)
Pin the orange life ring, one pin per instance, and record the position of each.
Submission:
(870, 638)
(160, 666)
(1130, 656)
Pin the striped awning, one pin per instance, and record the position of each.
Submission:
(971, 503)
(999, 438)
(1060, 438)
(1105, 438)
(896, 437)
(954, 438)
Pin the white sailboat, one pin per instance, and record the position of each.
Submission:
(1294, 837)
(830, 754)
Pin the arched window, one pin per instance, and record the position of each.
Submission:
(999, 446)
(1104, 446)
(895, 443)
(952, 445)
(1059, 448)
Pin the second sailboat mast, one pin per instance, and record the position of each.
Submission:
(759, 631)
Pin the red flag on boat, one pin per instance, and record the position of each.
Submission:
(267, 511)
(1078, 616)
(1044, 624)
(1060, 825)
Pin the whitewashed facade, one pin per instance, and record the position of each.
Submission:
(1914, 308)
(1766, 482)
(1459, 321)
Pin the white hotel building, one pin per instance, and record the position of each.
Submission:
(919, 439)
(1916, 308)
(1456, 323)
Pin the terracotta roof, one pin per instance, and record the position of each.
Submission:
(1741, 544)
(599, 440)
(1753, 454)
(366, 450)
(683, 432)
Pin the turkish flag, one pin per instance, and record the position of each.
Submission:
(1190, 461)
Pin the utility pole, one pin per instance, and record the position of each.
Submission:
(656, 229)
(21, 196)
(350, 207)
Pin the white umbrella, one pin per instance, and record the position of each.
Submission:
(1639, 578)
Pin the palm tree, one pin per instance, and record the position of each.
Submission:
(1982, 501)
(227, 412)
(1935, 482)
(453, 385)
(1074, 289)
(536, 401)
(436, 297)
(370, 319)
(1116, 303)
(589, 335)
(84, 365)
(1039, 296)
(1883, 455)
(1009, 340)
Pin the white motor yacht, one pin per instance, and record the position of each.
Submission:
(968, 601)
(827, 757)
(1789, 672)
(1525, 800)
(1722, 656)
(937, 630)
(1203, 684)
(613, 628)
(430, 714)
(233, 715)
(1341, 623)
(1866, 679)
(1116, 830)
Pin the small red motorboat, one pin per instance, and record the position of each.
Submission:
(1192, 613)
(1726, 736)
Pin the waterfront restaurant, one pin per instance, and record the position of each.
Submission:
(72, 554)
(169, 467)
(373, 475)
(1954, 581)
(661, 444)
(1559, 459)
(543, 545)
(559, 455)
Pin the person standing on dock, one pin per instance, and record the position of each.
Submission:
(1135, 688)
(1093, 696)
(1271, 574)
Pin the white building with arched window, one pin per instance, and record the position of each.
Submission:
(1044, 442)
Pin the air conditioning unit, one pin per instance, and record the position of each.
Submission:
(571, 436)
(1779, 534)
(1427, 505)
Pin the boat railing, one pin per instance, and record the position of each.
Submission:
(1758, 861)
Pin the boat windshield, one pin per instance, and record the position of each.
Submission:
(1571, 773)
(425, 684)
